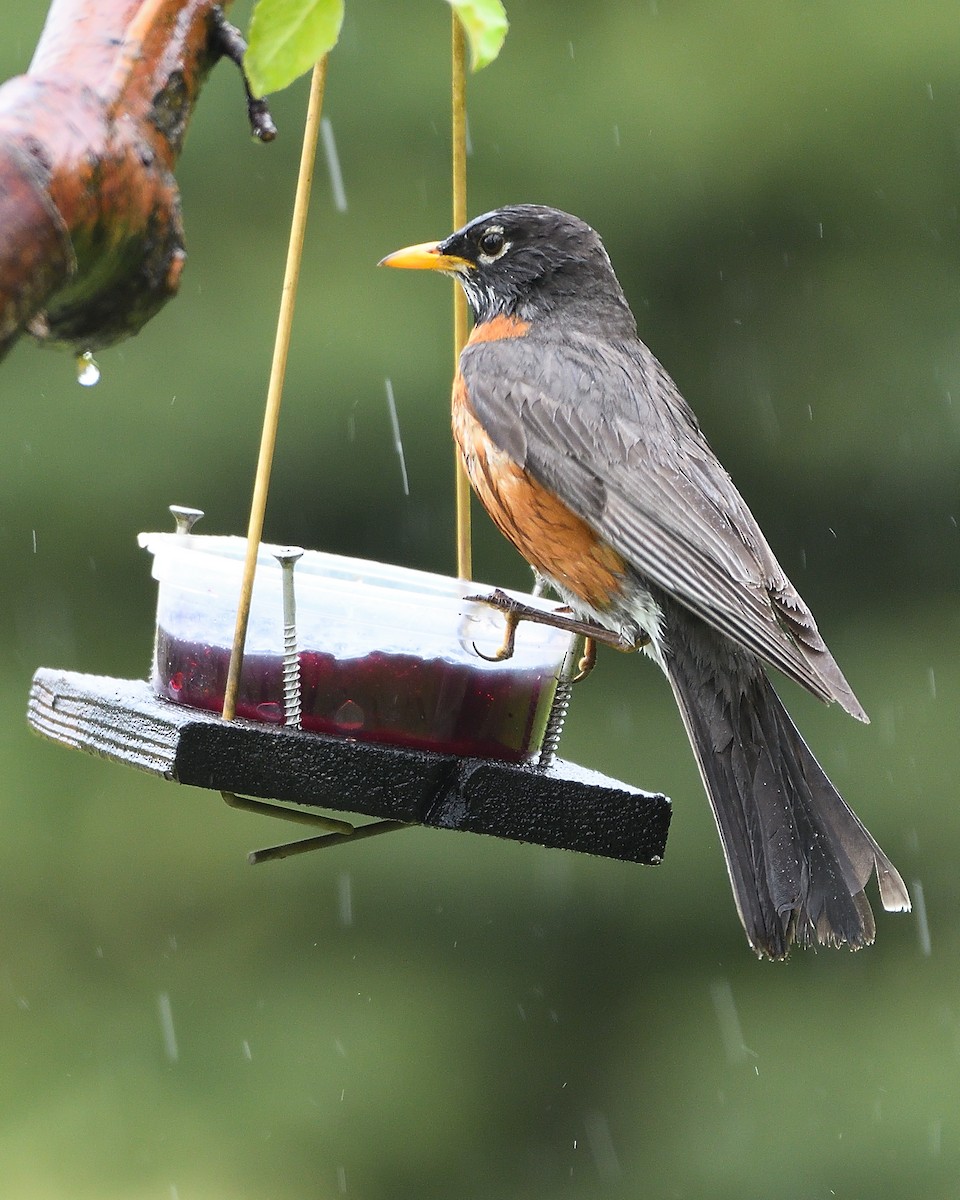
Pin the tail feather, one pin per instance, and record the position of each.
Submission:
(798, 857)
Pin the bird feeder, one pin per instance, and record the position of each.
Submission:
(365, 688)
(337, 683)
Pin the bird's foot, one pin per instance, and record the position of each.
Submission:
(630, 638)
(516, 611)
(588, 660)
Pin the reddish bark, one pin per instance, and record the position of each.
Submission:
(91, 238)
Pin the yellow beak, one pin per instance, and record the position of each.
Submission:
(425, 257)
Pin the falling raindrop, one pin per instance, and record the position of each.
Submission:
(731, 1032)
(333, 165)
(166, 1026)
(345, 898)
(601, 1146)
(397, 441)
(88, 373)
(920, 909)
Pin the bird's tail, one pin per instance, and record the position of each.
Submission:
(798, 857)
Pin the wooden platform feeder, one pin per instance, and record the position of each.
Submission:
(325, 715)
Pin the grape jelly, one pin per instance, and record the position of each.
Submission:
(482, 711)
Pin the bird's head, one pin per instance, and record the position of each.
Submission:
(531, 262)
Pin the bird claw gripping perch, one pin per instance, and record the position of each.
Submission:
(516, 611)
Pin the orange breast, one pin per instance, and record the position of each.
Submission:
(498, 328)
(548, 535)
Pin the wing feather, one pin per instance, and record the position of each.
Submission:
(605, 429)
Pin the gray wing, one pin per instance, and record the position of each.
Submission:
(609, 434)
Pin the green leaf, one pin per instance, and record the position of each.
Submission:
(286, 38)
(485, 23)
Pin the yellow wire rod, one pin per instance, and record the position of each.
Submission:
(459, 157)
(271, 418)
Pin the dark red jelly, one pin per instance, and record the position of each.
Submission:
(400, 699)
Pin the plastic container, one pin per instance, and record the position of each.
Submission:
(386, 654)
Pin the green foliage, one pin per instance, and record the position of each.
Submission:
(485, 24)
(287, 37)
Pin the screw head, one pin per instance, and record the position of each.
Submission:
(185, 517)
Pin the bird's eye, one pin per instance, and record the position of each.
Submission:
(492, 243)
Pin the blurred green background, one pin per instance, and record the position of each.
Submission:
(443, 1016)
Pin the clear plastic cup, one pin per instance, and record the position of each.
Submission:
(386, 654)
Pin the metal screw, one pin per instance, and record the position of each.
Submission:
(185, 518)
(558, 709)
(291, 659)
(555, 721)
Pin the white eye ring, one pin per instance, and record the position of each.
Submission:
(492, 234)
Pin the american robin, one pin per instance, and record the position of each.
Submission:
(589, 460)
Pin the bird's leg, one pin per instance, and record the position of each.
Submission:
(516, 611)
(588, 660)
(512, 620)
